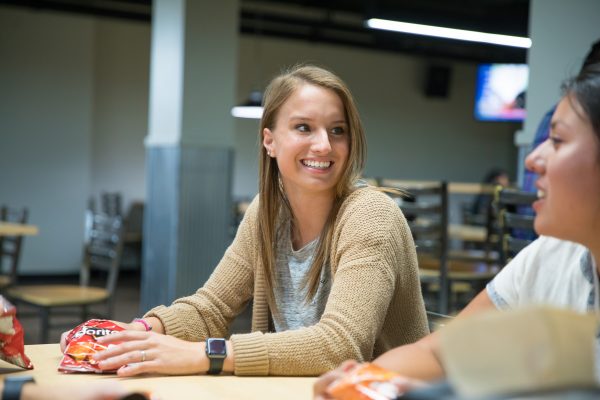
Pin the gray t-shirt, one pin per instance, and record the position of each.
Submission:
(292, 266)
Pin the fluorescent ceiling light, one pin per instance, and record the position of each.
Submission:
(252, 108)
(449, 33)
(254, 112)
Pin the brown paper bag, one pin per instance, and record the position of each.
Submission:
(531, 349)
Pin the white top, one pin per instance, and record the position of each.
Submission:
(292, 267)
(553, 272)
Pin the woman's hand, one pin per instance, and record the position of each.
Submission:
(320, 387)
(132, 326)
(96, 391)
(149, 352)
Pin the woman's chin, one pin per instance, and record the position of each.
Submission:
(541, 227)
(546, 228)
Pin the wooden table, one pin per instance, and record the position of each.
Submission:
(45, 358)
(14, 229)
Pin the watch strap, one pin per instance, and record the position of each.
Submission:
(215, 365)
(13, 385)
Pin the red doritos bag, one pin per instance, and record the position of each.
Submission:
(365, 382)
(82, 345)
(12, 348)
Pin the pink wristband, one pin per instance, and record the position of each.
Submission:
(147, 326)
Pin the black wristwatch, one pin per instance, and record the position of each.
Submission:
(216, 351)
(13, 385)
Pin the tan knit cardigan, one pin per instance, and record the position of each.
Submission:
(375, 302)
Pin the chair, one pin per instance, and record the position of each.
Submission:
(102, 251)
(515, 226)
(441, 271)
(133, 236)
(10, 246)
(477, 232)
(425, 206)
(111, 203)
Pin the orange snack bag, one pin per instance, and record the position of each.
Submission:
(82, 345)
(12, 347)
(365, 382)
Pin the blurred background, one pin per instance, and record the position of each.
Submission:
(132, 99)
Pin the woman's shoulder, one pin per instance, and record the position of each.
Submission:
(371, 197)
(549, 253)
(249, 211)
(252, 206)
(551, 248)
(369, 204)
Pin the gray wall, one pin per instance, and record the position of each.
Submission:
(46, 80)
(120, 116)
(74, 117)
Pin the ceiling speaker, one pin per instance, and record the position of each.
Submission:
(437, 81)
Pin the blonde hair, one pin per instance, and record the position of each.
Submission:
(272, 196)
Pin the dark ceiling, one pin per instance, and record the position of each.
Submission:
(341, 22)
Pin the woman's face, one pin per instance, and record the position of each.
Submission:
(568, 165)
(310, 141)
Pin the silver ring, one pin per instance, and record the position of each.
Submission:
(143, 355)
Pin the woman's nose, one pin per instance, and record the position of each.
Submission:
(535, 161)
(321, 142)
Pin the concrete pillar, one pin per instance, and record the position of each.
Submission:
(189, 145)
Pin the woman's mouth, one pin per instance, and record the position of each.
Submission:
(541, 195)
(317, 164)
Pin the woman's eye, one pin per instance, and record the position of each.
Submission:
(303, 128)
(555, 140)
(338, 130)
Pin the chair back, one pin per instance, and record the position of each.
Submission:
(103, 249)
(515, 226)
(425, 207)
(111, 203)
(478, 212)
(10, 246)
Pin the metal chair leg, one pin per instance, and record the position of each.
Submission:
(84, 313)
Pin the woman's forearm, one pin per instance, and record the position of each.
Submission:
(417, 360)
(420, 360)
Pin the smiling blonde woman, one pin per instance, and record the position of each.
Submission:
(331, 268)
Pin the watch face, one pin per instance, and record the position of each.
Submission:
(216, 347)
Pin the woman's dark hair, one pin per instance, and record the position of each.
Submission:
(585, 89)
(593, 55)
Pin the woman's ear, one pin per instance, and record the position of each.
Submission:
(268, 142)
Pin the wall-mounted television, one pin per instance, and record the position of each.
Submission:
(500, 92)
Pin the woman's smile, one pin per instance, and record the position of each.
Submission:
(317, 165)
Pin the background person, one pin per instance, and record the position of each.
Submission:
(480, 208)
